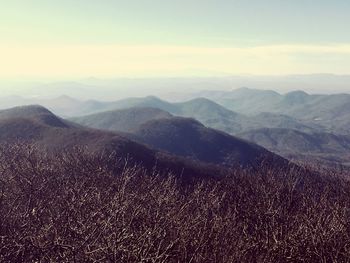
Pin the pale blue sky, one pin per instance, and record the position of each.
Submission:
(194, 36)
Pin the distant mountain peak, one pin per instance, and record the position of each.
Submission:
(35, 113)
(152, 97)
(188, 137)
(65, 97)
(296, 97)
(243, 89)
(26, 110)
(202, 100)
(176, 121)
(297, 93)
(250, 91)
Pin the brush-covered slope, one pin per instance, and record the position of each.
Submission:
(125, 120)
(298, 145)
(189, 138)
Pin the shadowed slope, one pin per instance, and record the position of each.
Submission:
(37, 125)
(331, 148)
(189, 138)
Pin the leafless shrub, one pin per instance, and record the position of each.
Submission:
(81, 207)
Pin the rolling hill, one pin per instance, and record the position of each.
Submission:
(252, 109)
(37, 125)
(244, 100)
(230, 111)
(206, 111)
(331, 113)
(174, 143)
(324, 147)
(124, 120)
(189, 138)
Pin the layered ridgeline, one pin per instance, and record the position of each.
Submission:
(232, 111)
(330, 112)
(177, 135)
(160, 129)
(36, 124)
(206, 111)
(245, 110)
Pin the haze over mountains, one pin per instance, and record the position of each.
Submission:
(172, 89)
(296, 125)
(35, 124)
(168, 147)
(332, 112)
(321, 148)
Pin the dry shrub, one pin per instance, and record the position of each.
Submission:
(79, 207)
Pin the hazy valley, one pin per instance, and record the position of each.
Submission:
(297, 126)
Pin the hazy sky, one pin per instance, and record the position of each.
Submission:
(148, 38)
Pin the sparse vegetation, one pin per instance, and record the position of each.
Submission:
(82, 207)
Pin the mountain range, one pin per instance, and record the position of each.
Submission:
(204, 110)
(329, 112)
(179, 144)
(296, 125)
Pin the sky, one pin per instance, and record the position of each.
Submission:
(162, 38)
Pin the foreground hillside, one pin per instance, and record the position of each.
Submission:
(83, 207)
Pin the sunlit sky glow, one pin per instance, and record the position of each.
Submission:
(150, 38)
